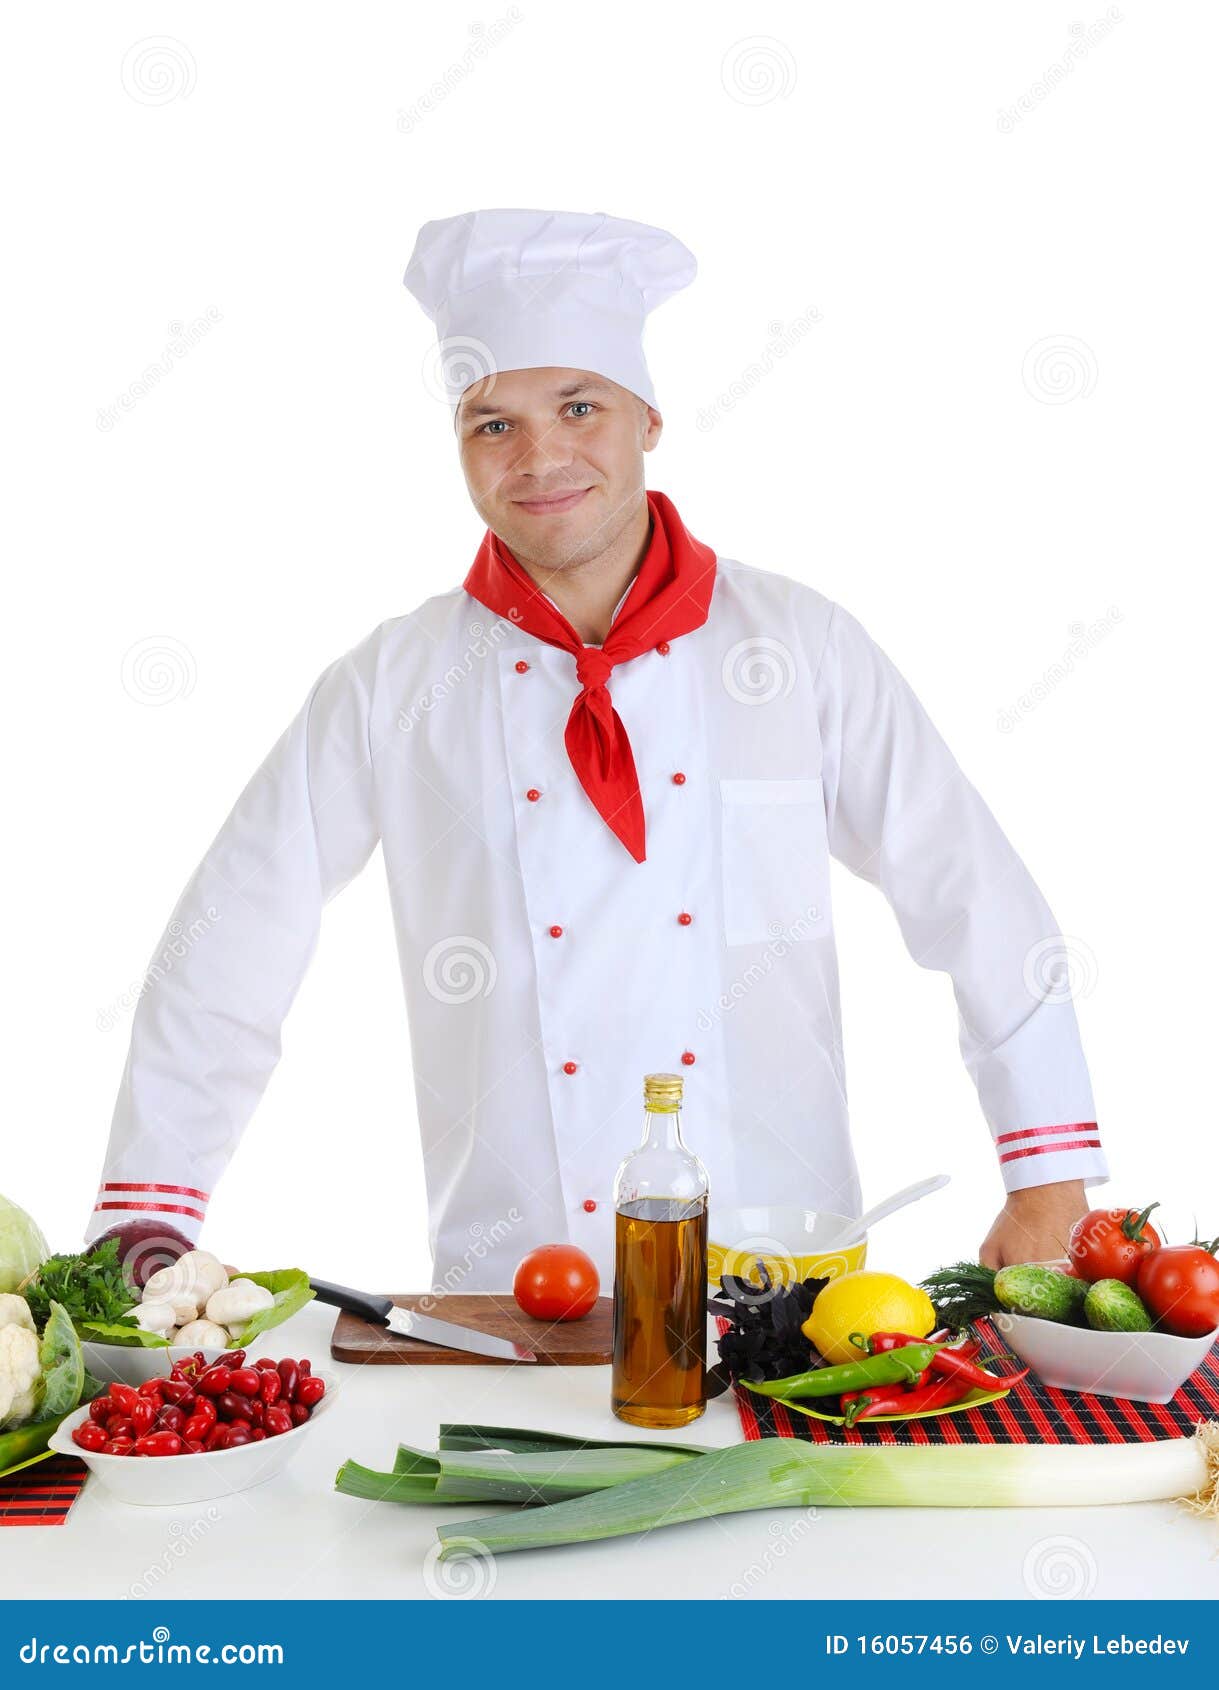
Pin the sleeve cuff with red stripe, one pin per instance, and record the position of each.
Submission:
(182, 1207)
(1045, 1155)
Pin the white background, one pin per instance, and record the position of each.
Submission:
(292, 481)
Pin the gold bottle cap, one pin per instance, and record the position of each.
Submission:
(662, 1091)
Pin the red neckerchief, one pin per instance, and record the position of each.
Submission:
(670, 596)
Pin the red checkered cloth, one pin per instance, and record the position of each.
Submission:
(43, 1494)
(1031, 1413)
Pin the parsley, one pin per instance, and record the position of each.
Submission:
(91, 1287)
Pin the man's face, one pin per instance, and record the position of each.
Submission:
(553, 460)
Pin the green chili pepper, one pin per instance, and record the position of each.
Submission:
(891, 1367)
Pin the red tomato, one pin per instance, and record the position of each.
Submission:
(1180, 1286)
(1110, 1243)
(556, 1282)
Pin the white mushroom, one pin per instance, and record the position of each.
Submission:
(204, 1335)
(238, 1302)
(192, 1278)
(153, 1317)
(185, 1311)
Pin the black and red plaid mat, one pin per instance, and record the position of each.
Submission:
(41, 1495)
(1031, 1413)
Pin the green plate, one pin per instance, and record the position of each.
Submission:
(975, 1399)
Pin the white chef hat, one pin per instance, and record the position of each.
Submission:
(524, 290)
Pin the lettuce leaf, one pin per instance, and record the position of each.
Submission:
(291, 1289)
(118, 1332)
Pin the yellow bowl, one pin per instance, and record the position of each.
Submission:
(790, 1241)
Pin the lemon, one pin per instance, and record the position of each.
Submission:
(864, 1303)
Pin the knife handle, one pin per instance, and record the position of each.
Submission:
(361, 1303)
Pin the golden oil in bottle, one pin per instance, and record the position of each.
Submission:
(660, 1270)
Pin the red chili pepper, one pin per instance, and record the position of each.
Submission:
(955, 1366)
(967, 1351)
(879, 1342)
(885, 1400)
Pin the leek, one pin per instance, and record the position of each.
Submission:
(780, 1473)
(527, 1442)
(541, 1468)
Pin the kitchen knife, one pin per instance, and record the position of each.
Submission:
(380, 1311)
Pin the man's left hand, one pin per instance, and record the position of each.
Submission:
(1034, 1224)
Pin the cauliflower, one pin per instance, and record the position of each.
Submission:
(15, 1311)
(20, 1373)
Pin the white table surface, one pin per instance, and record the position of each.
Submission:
(295, 1537)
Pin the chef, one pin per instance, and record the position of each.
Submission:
(608, 773)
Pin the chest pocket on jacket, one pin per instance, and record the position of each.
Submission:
(776, 861)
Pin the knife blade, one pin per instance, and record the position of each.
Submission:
(382, 1311)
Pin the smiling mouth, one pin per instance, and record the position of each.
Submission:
(557, 502)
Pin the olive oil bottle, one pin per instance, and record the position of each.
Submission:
(660, 1270)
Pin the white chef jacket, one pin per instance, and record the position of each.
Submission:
(546, 971)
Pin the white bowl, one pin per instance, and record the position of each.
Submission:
(170, 1480)
(1141, 1366)
(131, 1364)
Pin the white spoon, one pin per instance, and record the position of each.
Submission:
(854, 1230)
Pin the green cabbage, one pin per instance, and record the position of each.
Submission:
(22, 1246)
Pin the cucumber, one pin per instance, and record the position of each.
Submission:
(1111, 1306)
(1040, 1291)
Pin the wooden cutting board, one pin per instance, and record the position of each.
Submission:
(561, 1343)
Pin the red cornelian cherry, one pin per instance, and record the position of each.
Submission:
(521, 666)
(687, 1057)
(679, 779)
(556, 932)
(569, 1067)
(533, 795)
(685, 918)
